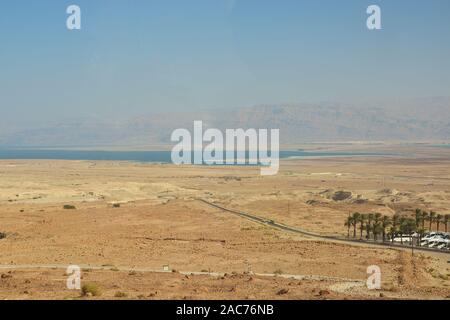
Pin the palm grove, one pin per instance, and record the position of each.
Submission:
(377, 226)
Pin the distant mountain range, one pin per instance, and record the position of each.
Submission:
(418, 120)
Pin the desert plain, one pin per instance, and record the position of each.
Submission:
(141, 231)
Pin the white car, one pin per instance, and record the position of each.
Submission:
(436, 237)
(443, 244)
(429, 235)
(399, 239)
(433, 243)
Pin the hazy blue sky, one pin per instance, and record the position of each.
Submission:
(139, 56)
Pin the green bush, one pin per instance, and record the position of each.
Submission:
(278, 272)
(69, 207)
(120, 294)
(90, 289)
(2, 235)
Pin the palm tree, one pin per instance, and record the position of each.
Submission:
(362, 220)
(396, 220)
(424, 218)
(377, 217)
(439, 218)
(348, 224)
(401, 228)
(418, 217)
(370, 218)
(446, 220)
(377, 229)
(376, 224)
(408, 226)
(392, 232)
(356, 216)
(421, 232)
(369, 229)
(431, 217)
(385, 222)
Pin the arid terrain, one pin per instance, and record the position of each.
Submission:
(139, 231)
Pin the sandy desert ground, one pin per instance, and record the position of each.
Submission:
(212, 254)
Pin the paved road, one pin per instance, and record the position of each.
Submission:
(280, 226)
(253, 218)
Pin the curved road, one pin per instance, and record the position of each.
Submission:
(280, 226)
(264, 221)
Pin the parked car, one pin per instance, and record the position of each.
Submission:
(429, 235)
(443, 244)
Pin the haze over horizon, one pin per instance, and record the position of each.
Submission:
(147, 57)
(407, 121)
